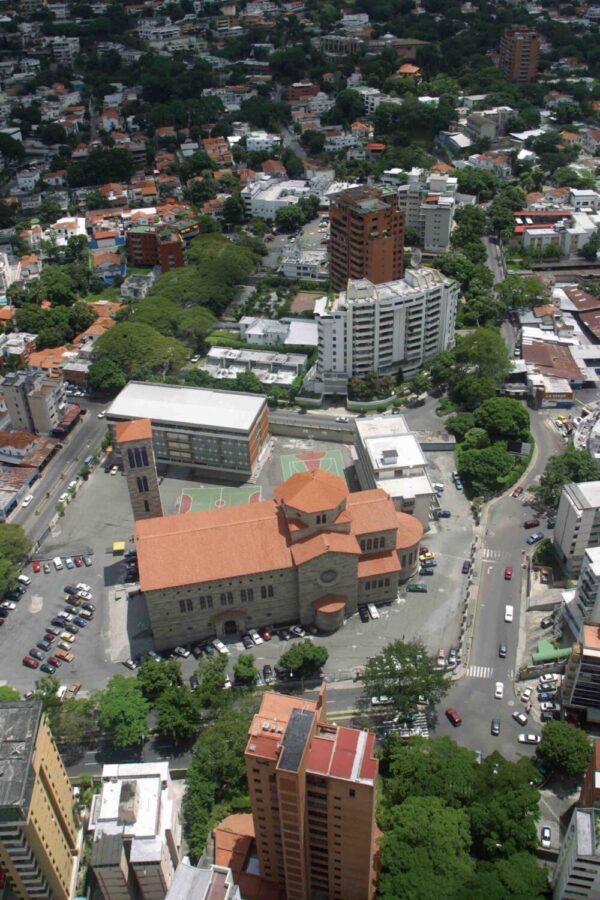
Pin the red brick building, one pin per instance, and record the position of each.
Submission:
(154, 247)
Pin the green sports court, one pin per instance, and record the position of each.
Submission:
(198, 498)
(310, 461)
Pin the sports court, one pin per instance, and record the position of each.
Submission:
(331, 460)
(197, 498)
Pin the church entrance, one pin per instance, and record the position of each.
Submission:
(230, 627)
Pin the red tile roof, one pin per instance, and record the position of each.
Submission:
(312, 492)
(136, 430)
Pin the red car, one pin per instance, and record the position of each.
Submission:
(78, 561)
(49, 637)
(423, 550)
(454, 717)
(31, 662)
(264, 633)
(54, 661)
(508, 573)
(518, 491)
(36, 566)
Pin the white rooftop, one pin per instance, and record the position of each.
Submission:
(187, 406)
(587, 493)
(407, 488)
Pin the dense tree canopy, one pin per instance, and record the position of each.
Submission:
(138, 350)
(14, 547)
(503, 418)
(404, 672)
(123, 711)
(304, 658)
(571, 466)
(565, 748)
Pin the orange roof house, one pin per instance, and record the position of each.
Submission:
(313, 521)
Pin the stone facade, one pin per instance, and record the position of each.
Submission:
(341, 550)
(135, 440)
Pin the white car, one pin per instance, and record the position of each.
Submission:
(548, 705)
(84, 587)
(520, 717)
(220, 646)
(102, 414)
(529, 738)
(27, 500)
(526, 695)
(373, 611)
(548, 679)
(182, 651)
(546, 837)
(84, 595)
(499, 692)
(64, 497)
(381, 701)
(227, 682)
(255, 636)
(8, 604)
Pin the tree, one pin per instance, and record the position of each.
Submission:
(304, 659)
(485, 471)
(288, 218)
(519, 877)
(211, 673)
(156, 676)
(8, 693)
(571, 466)
(46, 690)
(404, 673)
(176, 713)
(58, 285)
(565, 747)
(81, 316)
(459, 424)
(503, 418)
(434, 767)
(425, 851)
(419, 383)
(517, 291)
(105, 375)
(233, 211)
(505, 808)
(245, 670)
(138, 349)
(294, 166)
(123, 711)
(476, 439)
(484, 354)
(471, 390)
(216, 775)
(590, 249)
(14, 547)
(72, 722)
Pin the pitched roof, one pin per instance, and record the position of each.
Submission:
(369, 513)
(324, 542)
(136, 430)
(312, 492)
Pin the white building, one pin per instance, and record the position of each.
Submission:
(390, 457)
(571, 233)
(577, 870)
(9, 273)
(582, 606)
(265, 196)
(64, 49)
(300, 332)
(320, 103)
(577, 524)
(383, 327)
(584, 199)
(27, 179)
(428, 201)
(136, 828)
(192, 883)
(498, 163)
(261, 141)
(305, 264)
(269, 366)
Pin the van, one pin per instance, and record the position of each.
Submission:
(57, 562)
(531, 523)
(24, 579)
(508, 613)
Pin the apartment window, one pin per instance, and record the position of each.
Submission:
(146, 506)
(352, 792)
(182, 606)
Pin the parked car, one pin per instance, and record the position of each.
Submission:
(549, 705)
(416, 588)
(441, 658)
(284, 634)
(36, 566)
(518, 491)
(36, 653)
(466, 567)
(531, 523)
(27, 500)
(71, 628)
(373, 611)
(297, 631)
(544, 696)
(87, 561)
(247, 642)
(549, 714)
(130, 664)
(183, 652)
(46, 568)
(51, 629)
(458, 484)
(550, 523)
(264, 633)
(220, 647)
(44, 645)
(69, 562)
(529, 738)
(520, 717)
(255, 636)
(78, 561)
(65, 654)
(30, 662)
(548, 679)
(8, 604)
(428, 563)
(83, 587)
(499, 690)
(546, 837)
(70, 589)
(535, 537)
(547, 622)
(526, 695)
(382, 700)
(87, 607)
(268, 675)
(48, 668)
(54, 661)
(495, 729)
(364, 614)
(423, 571)
(425, 555)
(80, 621)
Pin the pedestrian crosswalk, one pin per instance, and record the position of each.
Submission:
(418, 727)
(486, 672)
(480, 671)
(489, 554)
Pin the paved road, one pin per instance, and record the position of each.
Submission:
(83, 440)
(503, 545)
(495, 260)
